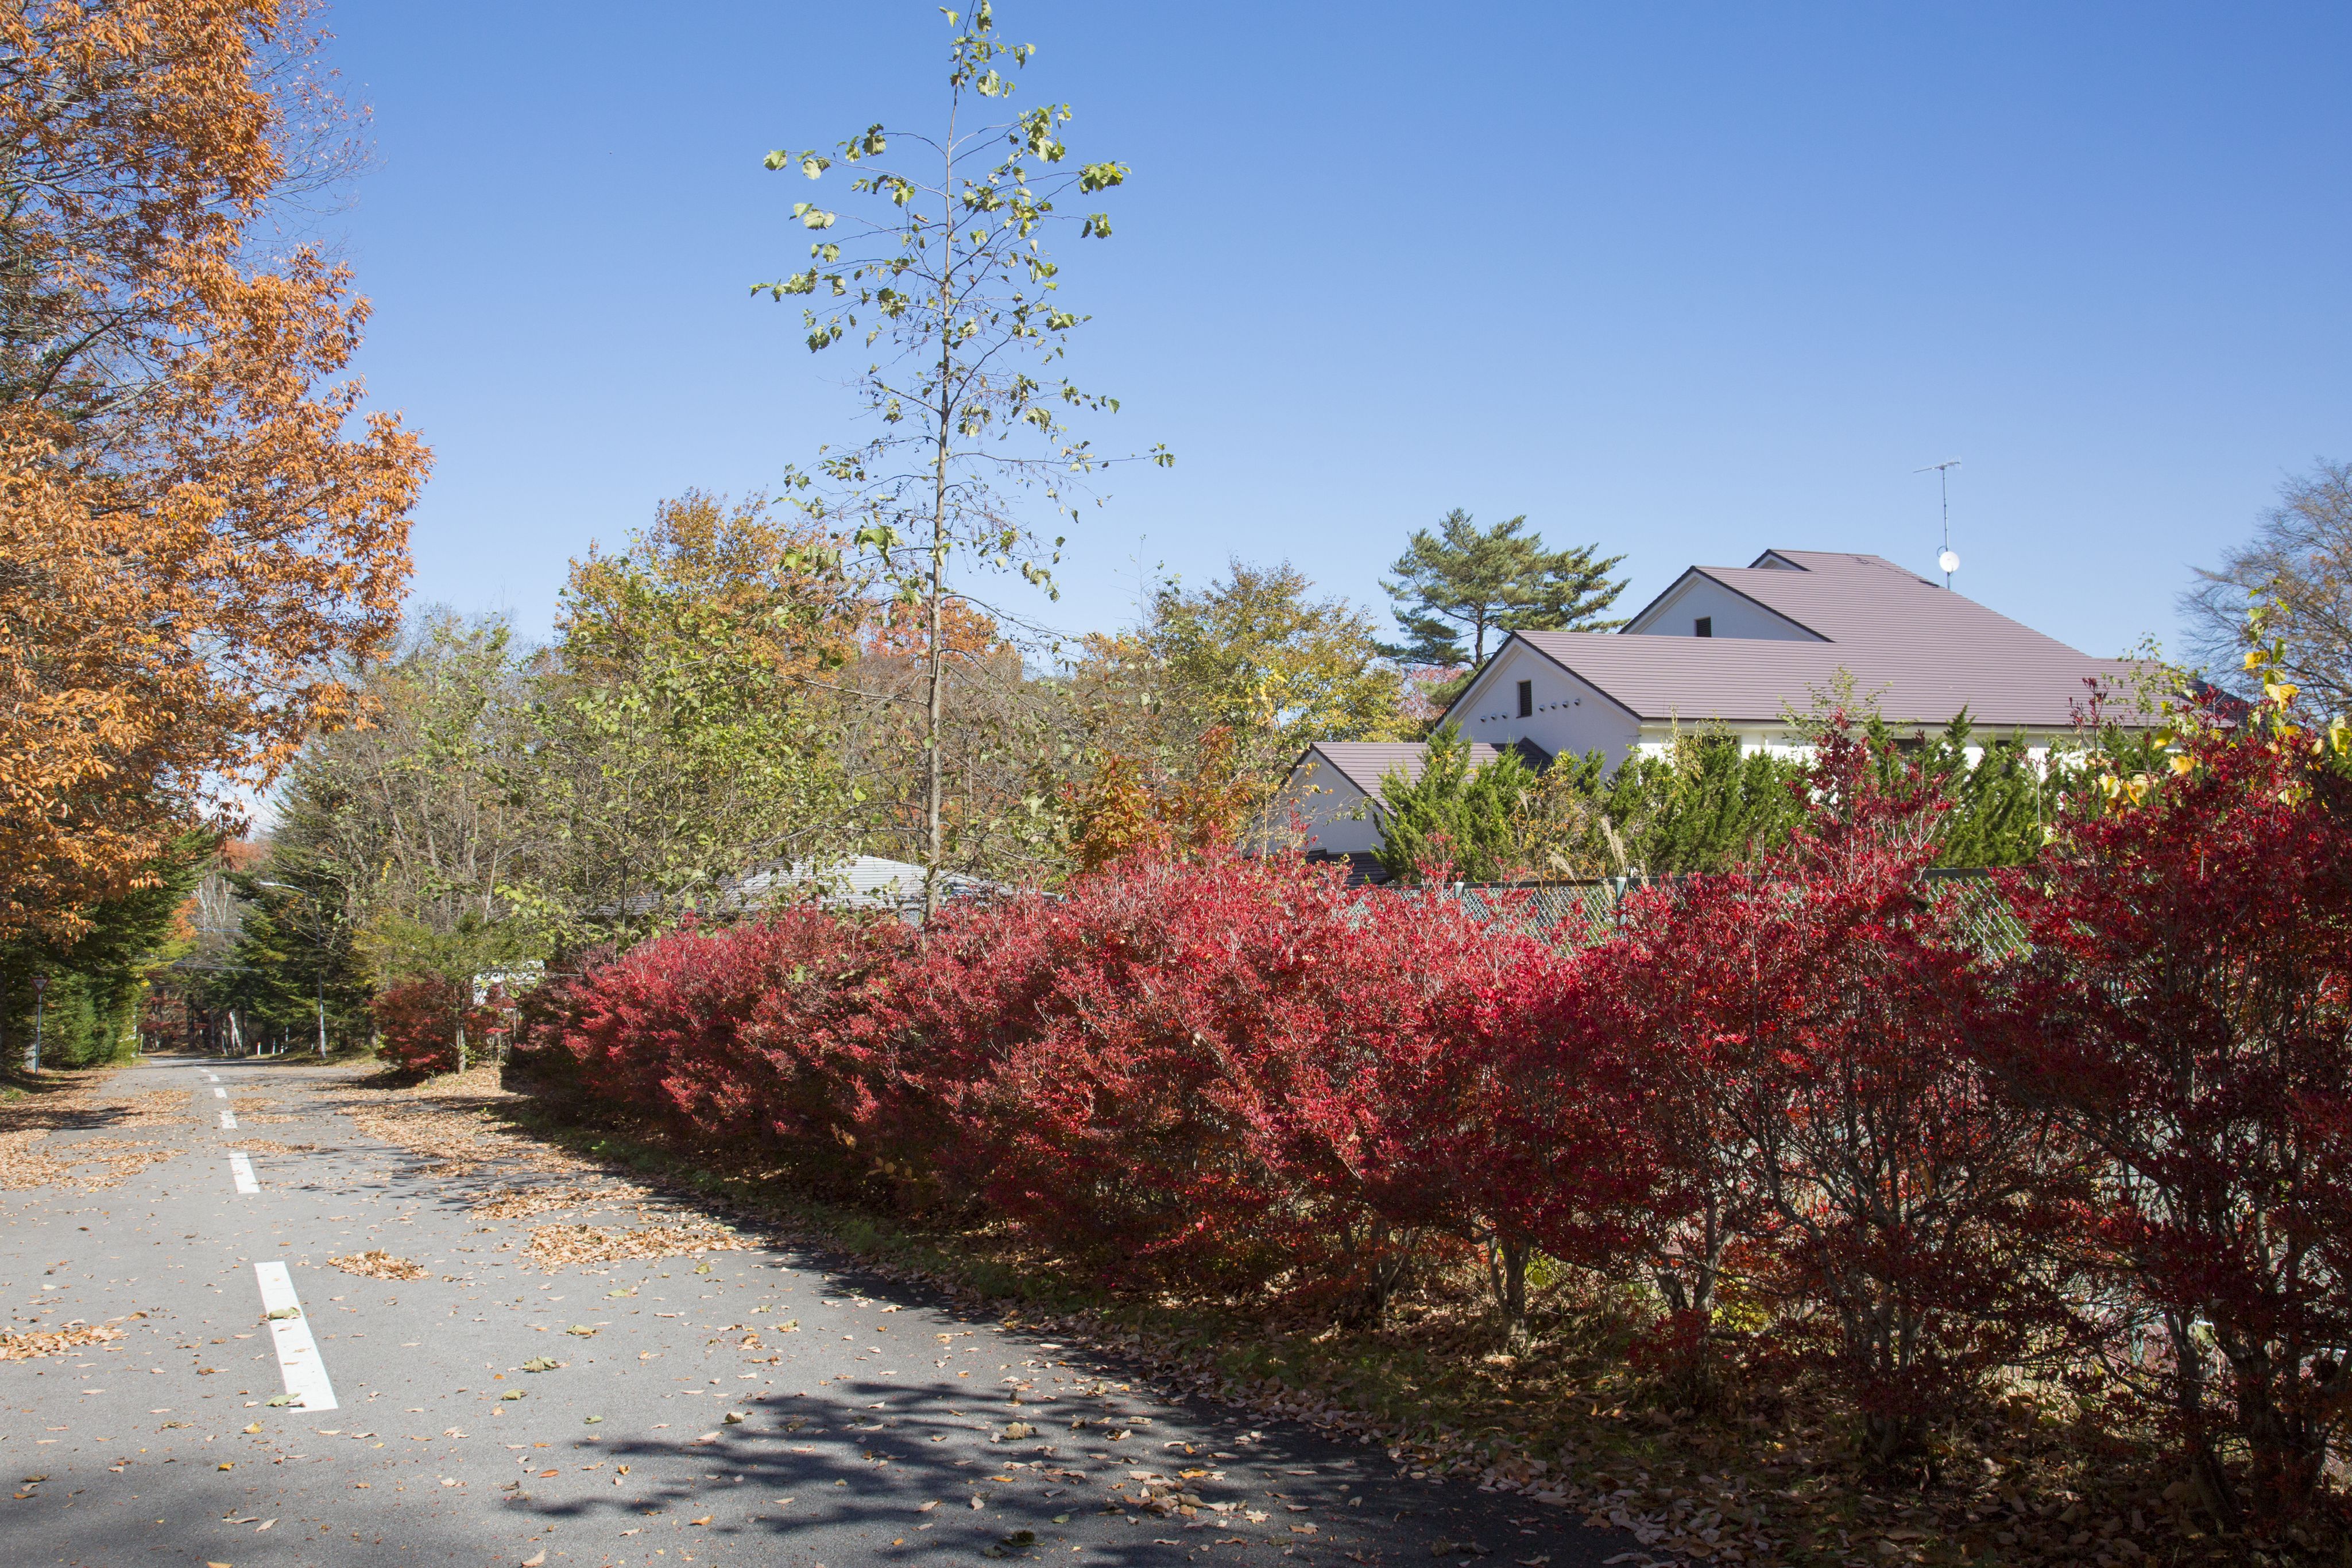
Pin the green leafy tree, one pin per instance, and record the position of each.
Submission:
(1702, 805)
(1484, 583)
(1457, 815)
(950, 283)
(1259, 654)
(2000, 800)
(99, 976)
(679, 729)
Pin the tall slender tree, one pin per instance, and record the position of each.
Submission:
(951, 282)
(1465, 579)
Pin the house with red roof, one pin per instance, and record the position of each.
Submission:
(1738, 650)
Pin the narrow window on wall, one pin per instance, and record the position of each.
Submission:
(1527, 699)
(1703, 627)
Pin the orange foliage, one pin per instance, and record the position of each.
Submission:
(898, 631)
(195, 522)
(1127, 810)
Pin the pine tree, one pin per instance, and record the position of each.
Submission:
(1466, 579)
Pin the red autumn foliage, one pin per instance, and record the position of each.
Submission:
(1238, 1071)
(1796, 1069)
(1804, 1091)
(2184, 1011)
(729, 1031)
(418, 1021)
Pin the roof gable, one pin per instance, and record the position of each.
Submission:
(1922, 653)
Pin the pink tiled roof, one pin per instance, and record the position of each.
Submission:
(1921, 651)
(1364, 763)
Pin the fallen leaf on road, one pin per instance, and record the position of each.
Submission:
(734, 1418)
(554, 1247)
(378, 1264)
(520, 1202)
(704, 1519)
(55, 1342)
(925, 1508)
(255, 1427)
(535, 1559)
(541, 1363)
(583, 1330)
(263, 1525)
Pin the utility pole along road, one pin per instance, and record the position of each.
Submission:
(725, 1402)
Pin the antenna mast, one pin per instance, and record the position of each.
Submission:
(1949, 562)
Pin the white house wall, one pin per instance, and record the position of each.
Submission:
(1332, 811)
(1570, 718)
(1731, 614)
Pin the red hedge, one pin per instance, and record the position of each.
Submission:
(1805, 1087)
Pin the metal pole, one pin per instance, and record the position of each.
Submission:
(40, 1000)
(321, 978)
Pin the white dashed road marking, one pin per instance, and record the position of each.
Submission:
(242, 1169)
(228, 1119)
(220, 1093)
(297, 1353)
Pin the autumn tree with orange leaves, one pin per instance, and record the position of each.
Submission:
(197, 518)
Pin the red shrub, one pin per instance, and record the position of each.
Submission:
(419, 1019)
(1226, 1072)
(2186, 1012)
(727, 1031)
(1798, 1043)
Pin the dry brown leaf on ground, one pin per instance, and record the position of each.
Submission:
(521, 1202)
(55, 1341)
(23, 1168)
(450, 1118)
(160, 1108)
(378, 1264)
(554, 1247)
(36, 1158)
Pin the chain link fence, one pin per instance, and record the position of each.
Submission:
(1579, 913)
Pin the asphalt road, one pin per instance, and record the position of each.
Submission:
(765, 1404)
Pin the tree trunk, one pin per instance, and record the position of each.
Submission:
(933, 849)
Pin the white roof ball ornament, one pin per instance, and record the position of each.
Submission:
(1949, 562)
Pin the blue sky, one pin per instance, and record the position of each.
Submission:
(1683, 281)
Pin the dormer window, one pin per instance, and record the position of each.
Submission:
(1527, 699)
(1703, 627)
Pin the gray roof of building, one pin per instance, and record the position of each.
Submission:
(1364, 763)
(1921, 652)
(856, 881)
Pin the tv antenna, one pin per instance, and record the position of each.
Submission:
(1946, 561)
